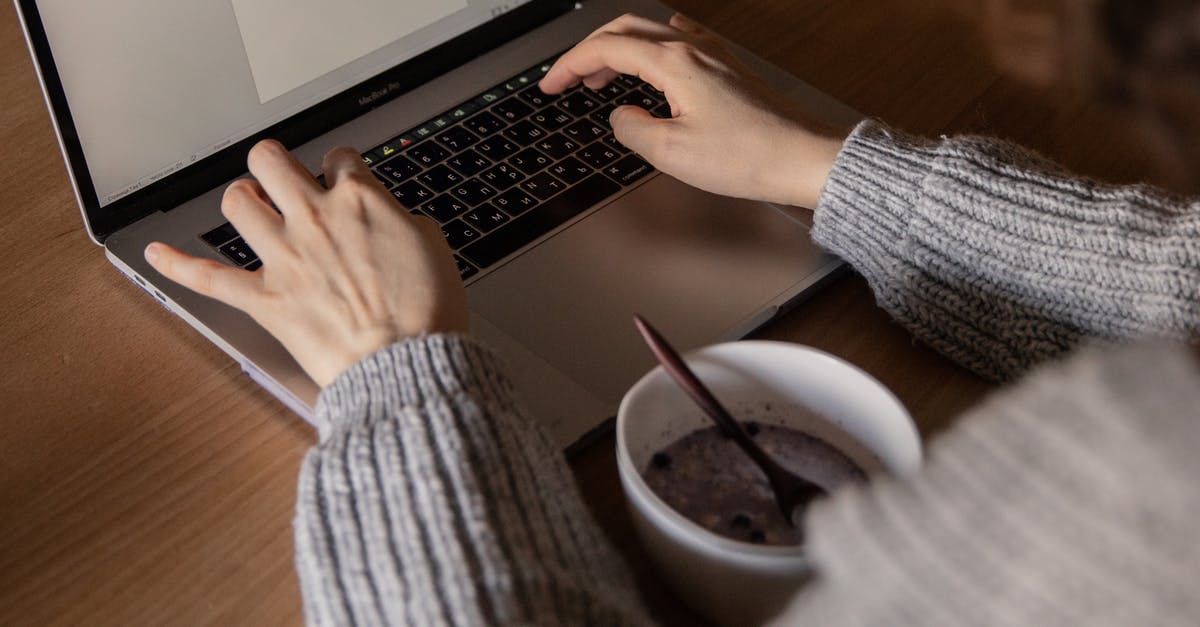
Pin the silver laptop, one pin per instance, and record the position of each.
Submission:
(560, 233)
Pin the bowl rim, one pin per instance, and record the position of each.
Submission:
(683, 528)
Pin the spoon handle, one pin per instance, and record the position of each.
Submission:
(683, 375)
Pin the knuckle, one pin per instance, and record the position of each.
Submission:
(682, 49)
(341, 153)
(357, 184)
(625, 19)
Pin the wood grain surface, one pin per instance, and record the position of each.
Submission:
(145, 481)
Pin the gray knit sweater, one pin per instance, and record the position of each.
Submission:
(1072, 498)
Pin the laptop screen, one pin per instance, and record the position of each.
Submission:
(158, 102)
(154, 86)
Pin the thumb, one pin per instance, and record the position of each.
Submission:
(639, 131)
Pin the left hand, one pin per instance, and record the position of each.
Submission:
(346, 271)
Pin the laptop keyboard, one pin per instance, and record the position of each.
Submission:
(504, 168)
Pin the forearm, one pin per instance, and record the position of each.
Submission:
(432, 498)
(1001, 260)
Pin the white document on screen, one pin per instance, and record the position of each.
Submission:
(292, 42)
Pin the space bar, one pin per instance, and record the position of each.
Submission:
(540, 220)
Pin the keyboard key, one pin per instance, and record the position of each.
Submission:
(440, 178)
(457, 139)
(428, 154)
(628, 170)
(502, 176)
(254, 265)
(462, 111)
(578, 104)
(557, 146)
(612, 90)
(444, 208)
(387, 182)
(585, 131)
(412, 194)
(490, 98)
(552, 118)
(497, 148)
(512, 110)
(469, 163)
(662, 111)
(474, 192)
(515, 201)
(638, 99)
(485, 218)
(598, 155)
(536, 98)
(465, 270)
(629, 82)
(530, 161)
(516, 84)
(220, 235)
(603, 115)
(484, 124)
(540, 220)
(543, 186)
(611, 142)
(238, 252)
(459, 234)
(654, 93)
(524, 133)
(538, 72)
(382, 153)
(399, 169)
(423, 132)
(571, 170)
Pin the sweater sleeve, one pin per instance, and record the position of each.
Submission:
(432, 499)
(1000, 259)
(1069, 499)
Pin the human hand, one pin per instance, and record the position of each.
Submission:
(346, 271)
(730, 133)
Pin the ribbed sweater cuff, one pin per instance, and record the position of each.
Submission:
(868, 199)
(411, 373)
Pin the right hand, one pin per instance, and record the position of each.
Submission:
(730, 133)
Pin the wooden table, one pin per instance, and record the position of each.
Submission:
(145, 480)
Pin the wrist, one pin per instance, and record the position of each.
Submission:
(811, 159)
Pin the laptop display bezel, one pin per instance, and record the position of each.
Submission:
(229, 162)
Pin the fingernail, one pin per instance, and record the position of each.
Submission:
(152, 253)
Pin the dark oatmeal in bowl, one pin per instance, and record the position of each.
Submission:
(708, 479)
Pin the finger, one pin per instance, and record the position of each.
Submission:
(688, 25)
(285, 180)
(633, 24)
(246, 205)
(234, 287)
(639, 131)
(600, 79)
(342, 162)
(623, 54)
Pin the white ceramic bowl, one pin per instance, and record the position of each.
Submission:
(732, 582)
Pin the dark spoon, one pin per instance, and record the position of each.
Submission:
(791, 491)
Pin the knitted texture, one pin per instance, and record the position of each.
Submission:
(1069, 500)
(1001, 260)
(431, 499)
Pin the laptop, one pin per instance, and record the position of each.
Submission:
(559, 231)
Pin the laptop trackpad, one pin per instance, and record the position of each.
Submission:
(696, 265)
